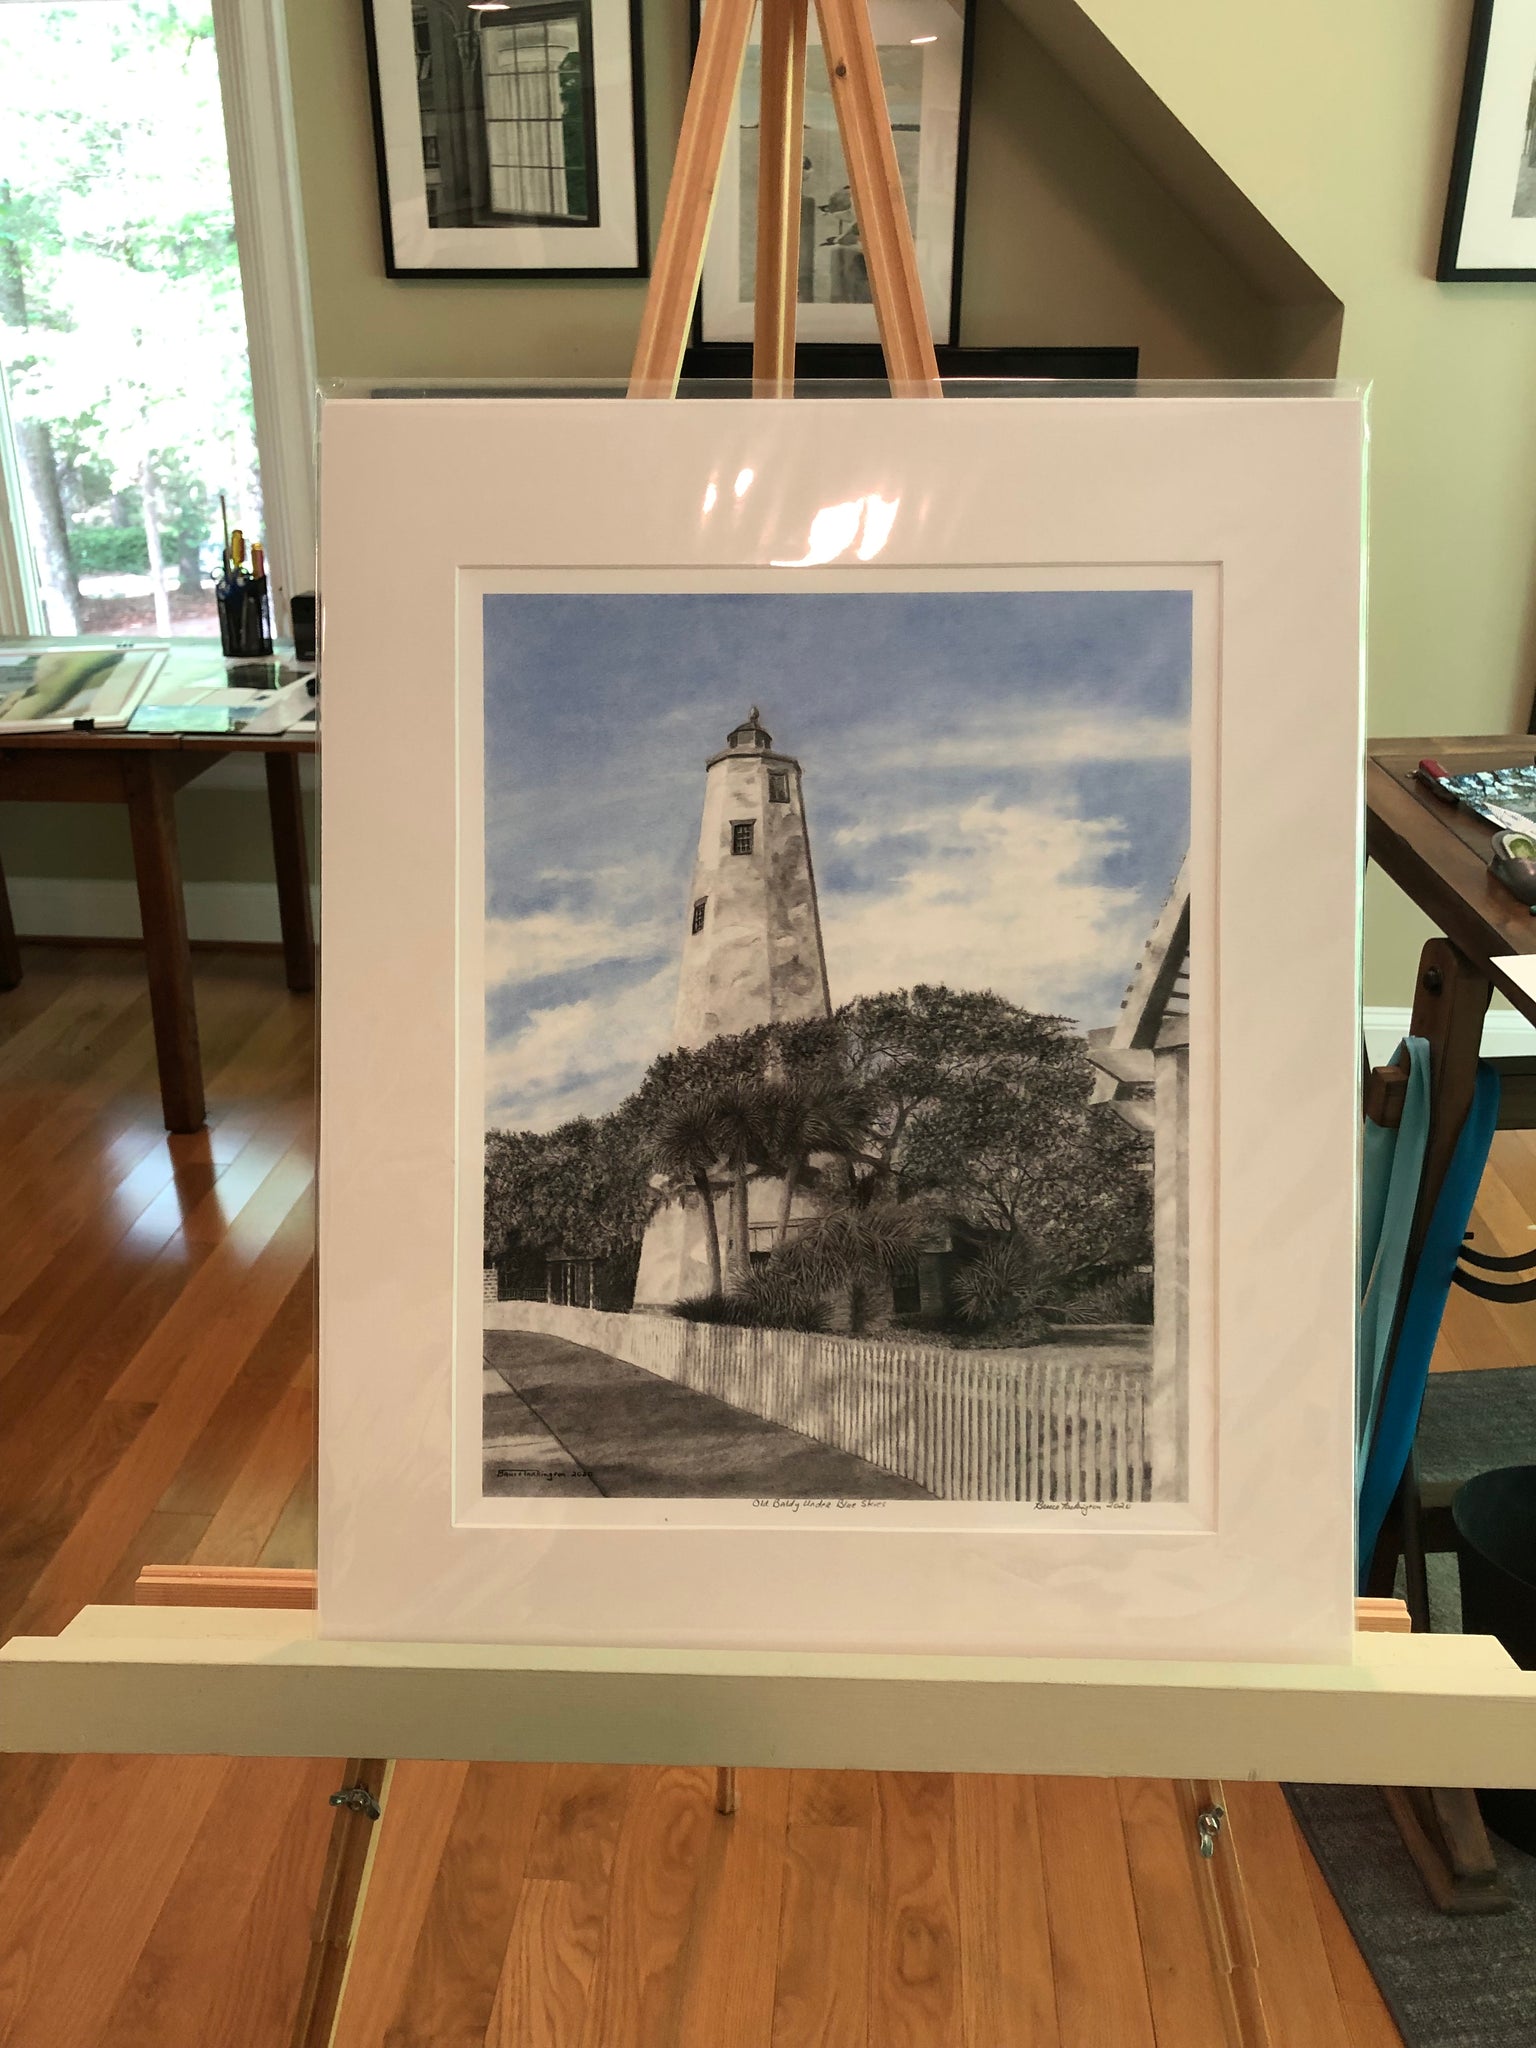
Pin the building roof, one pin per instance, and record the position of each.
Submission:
(750, 736)
(1154, 1014)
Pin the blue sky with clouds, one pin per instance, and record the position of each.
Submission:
(996, 783)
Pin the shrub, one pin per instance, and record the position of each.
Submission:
(768, 1301)
(109, 551)
(996, 1284)
(1124, 1297)
(704, 1308)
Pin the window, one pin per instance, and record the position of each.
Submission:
(741, 835)
(698, 913)
(539, 115)
(778, 786)
(123, 343)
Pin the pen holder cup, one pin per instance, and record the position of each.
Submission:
(245, 618)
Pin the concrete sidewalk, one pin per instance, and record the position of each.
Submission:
(563, 1419)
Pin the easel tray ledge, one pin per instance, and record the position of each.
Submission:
(1407, 1710)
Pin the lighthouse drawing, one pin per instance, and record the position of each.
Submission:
(751, 954)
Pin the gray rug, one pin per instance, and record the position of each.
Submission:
(1475, 1421)
(1450, 1983)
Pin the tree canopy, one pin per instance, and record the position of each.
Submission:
(950, 1101)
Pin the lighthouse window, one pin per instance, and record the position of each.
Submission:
(698, 914)
(778, 788)
(741, 835)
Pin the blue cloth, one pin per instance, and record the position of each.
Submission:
(1393, 1378)
(1392, 1169)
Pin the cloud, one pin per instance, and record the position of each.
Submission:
(548, 942)
(581, 1058)
(1006, 897)
(1032, 736)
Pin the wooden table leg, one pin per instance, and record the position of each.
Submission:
(1442, 1828)
(290, 854)
(10, 952)
(167, 955)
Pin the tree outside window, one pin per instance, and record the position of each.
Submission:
(122, 331)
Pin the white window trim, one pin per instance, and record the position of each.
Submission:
(252, 45)
(21, 604)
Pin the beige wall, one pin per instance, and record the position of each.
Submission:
(1331, 123)
(1070, 238)
(1336, 120)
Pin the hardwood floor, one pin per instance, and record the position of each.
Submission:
(156, 1389)
(156, 1401)
(1477, 1334)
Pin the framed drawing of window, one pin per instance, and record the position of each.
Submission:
(510, 137)
(822, 1146)
(925, 66)
(1490, 215)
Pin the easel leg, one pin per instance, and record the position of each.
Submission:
(780, 162)
(690, 199)
(1223, 1896)
(341, 1888)
(725, 1789)
(879, 203)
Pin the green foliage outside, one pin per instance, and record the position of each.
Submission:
(122, 332)
(927, 1115)
(110, 550)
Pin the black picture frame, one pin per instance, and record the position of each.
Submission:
(393, 268)
(976, 368)
(1448, 268)
(962, 171)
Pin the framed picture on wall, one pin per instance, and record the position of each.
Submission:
(925, 65)
(510, 137)
(1490, 216)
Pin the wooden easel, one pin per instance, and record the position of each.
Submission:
(362, 1798)
(885, 234)
(874, 180)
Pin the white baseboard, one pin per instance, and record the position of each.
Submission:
(242, 911)
(1506, 1034)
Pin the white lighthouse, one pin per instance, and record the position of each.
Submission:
(752, 954)
(752, 937)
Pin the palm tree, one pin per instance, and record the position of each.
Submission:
(741, 1112)
(807, 1115)
(688, 1143)
(852, 1249)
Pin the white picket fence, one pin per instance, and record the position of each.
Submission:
(1062, 1423)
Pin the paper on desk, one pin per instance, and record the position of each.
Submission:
(1520, 968)
(281, 709)
(208, 694)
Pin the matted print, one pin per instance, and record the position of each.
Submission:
(837, 1046)
(822, 1149)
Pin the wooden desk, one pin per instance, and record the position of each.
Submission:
(1439, 856)
(144, 771)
